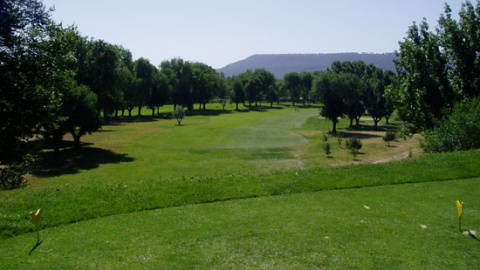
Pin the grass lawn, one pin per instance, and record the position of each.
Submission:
(241, 190)
(328, 229)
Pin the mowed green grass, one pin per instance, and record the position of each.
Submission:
(366, 228)
(233, 143)
(228, 190)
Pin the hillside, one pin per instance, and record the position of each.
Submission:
(280, 64)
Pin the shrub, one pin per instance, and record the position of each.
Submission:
(353, 146)
(326, 148)
(458, 131)
(339, 140)
(11, 176)
(389, 137)
(179, 114)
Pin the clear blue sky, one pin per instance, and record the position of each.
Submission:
(219, 32)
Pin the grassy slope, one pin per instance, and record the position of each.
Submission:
(189, 165)
(329, 229)
(81, 202)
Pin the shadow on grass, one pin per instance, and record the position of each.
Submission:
(71, 161)
(208, 112)
(352, 134)
(120, 120)
(303, 106)
(381, 128)
(35, 247)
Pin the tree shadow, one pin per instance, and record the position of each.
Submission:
(381, 128)
(208, 112)
(121, 120)
(71, 161)
(350, 134)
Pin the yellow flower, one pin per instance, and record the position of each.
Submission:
(459, 207)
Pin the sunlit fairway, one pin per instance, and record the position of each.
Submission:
(243, 190)
(204, 146)
(217, 144)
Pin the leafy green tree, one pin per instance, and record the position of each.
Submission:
(204, 83)
(24, 102)
(60, 67)
(390, 136)
(376, 100)
(461, 44)
(326, 148)
(223, 91)
(306, 80)
(144, 76)
(179, 113)
(97, 69)
(332, 89)
(423, 92)
(293, 82)
(159, 92)
(81, 109)
(238, 93)
(355, 99)
(266, 81)
(353, 146)
(180, 75)
(271, 94)
(252, 90)
(458, 131)
(124, 81)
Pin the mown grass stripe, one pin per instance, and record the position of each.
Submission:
(83, 202)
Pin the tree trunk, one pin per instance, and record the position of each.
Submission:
(387, 117)
(351, 122)
(357, 121)
(57, 141)
(76, 139)
(139, 110)
(236, 107)
(334, 127)
(204, 106)
(376, 123)
(153, 112)
(129, 112)
(123, 112)
(199, 106)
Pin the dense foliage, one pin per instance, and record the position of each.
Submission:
(436, 70)
(351, 88)
(458, 131)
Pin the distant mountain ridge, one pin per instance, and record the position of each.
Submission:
(281, 64)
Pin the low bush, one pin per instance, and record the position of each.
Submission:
(11, 176)
(389, 137)
(353, 146)
(458, 131)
